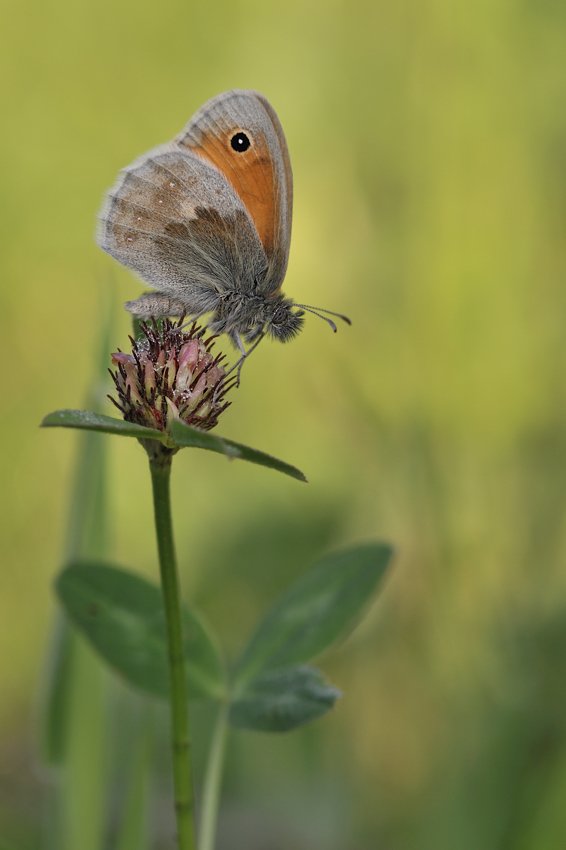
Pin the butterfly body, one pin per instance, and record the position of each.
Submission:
(206, 220)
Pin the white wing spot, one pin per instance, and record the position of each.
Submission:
(139, 217)
(129, 239)
(172, 185)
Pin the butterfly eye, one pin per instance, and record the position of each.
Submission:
(279, 316)
(240, 142)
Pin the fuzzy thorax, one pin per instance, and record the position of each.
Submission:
(250, 316)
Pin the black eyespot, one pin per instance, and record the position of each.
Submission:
(240, 142)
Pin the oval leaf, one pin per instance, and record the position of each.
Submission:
(184, 435)
(281, 700)
(322, 606)
(122, 616)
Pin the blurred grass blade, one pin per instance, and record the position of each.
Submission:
(56, 696)
(322, 606)
(184, 435)
(121, 614)
(83, 780)
(87, 533)
(281, 700)
(133, 832)
(73, 716)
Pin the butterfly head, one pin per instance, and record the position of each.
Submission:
(278, 320)
(284, 323)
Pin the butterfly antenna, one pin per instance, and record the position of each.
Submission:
(320, 316)
(323, 310)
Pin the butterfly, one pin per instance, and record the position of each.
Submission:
(206, 220)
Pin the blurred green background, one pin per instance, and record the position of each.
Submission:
(428, 142)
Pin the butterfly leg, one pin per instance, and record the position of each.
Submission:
(245, 355)
(239, 363)
(191, 320)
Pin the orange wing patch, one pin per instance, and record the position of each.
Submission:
(251, 175)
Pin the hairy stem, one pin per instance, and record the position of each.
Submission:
(160, 465)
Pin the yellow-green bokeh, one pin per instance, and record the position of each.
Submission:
(428, 141)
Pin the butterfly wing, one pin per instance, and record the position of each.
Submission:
(175, 220)
(260, 174)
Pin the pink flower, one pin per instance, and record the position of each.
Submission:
(170, 375)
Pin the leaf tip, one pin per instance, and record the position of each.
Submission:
(49, 420)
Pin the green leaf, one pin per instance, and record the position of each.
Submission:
(322, 606)
(90, 421)
(189, 437)
(281, 700)
(122, 616)
(181, 435)
(184, 435)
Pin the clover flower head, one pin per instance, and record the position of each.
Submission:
(170, 375)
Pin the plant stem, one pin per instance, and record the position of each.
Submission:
(160, 465)
(213, 781)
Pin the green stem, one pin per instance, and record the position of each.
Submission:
(213, 781)
(160, 465)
